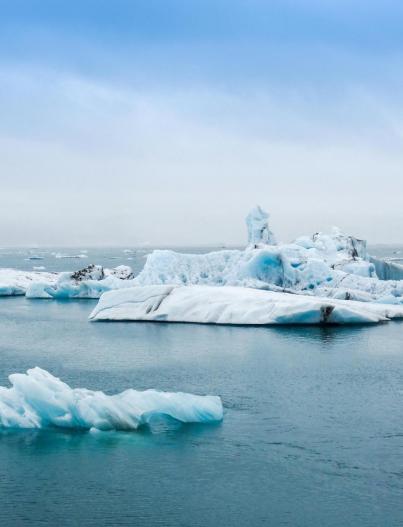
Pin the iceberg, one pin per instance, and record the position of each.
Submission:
(234, 305)
(15, 282)
(89, 282)
(333, 266)
(37, 399)
(387, 270)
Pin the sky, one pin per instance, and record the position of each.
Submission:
(127, 122)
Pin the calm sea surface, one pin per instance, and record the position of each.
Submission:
(312, 433)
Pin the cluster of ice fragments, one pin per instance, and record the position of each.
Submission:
(39, 400)
(331, 266)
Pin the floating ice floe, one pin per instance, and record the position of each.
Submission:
(71, 256)
(234, 305)
(89, 282)
(39, 400)
(16, 282)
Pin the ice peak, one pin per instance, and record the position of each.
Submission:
(257, 222)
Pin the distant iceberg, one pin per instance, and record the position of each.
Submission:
(72, 256)
(89, 282)
(39, 400)
(16, 282)
(234, 305)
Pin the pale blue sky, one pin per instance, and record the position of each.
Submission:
(165, 121)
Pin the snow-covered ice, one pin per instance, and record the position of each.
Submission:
(234, 305)
(37, 399)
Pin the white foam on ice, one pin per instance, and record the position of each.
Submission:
(37, 399)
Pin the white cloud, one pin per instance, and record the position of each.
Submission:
(90, 163)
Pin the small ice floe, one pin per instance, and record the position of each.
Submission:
(72, 256)
(37, 399)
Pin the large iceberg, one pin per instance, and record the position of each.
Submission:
(333, 265)
(234, 305)
(37, 399)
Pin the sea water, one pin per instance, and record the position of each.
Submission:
(312, 432)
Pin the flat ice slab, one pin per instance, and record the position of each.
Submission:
(234, 305)
(37, 399)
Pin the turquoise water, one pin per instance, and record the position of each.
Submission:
(312, 433)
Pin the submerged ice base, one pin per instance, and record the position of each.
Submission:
(39, 400)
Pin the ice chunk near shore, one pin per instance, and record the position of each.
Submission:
(234, 305)
(37, 399)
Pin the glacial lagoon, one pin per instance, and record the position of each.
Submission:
(312, 432)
